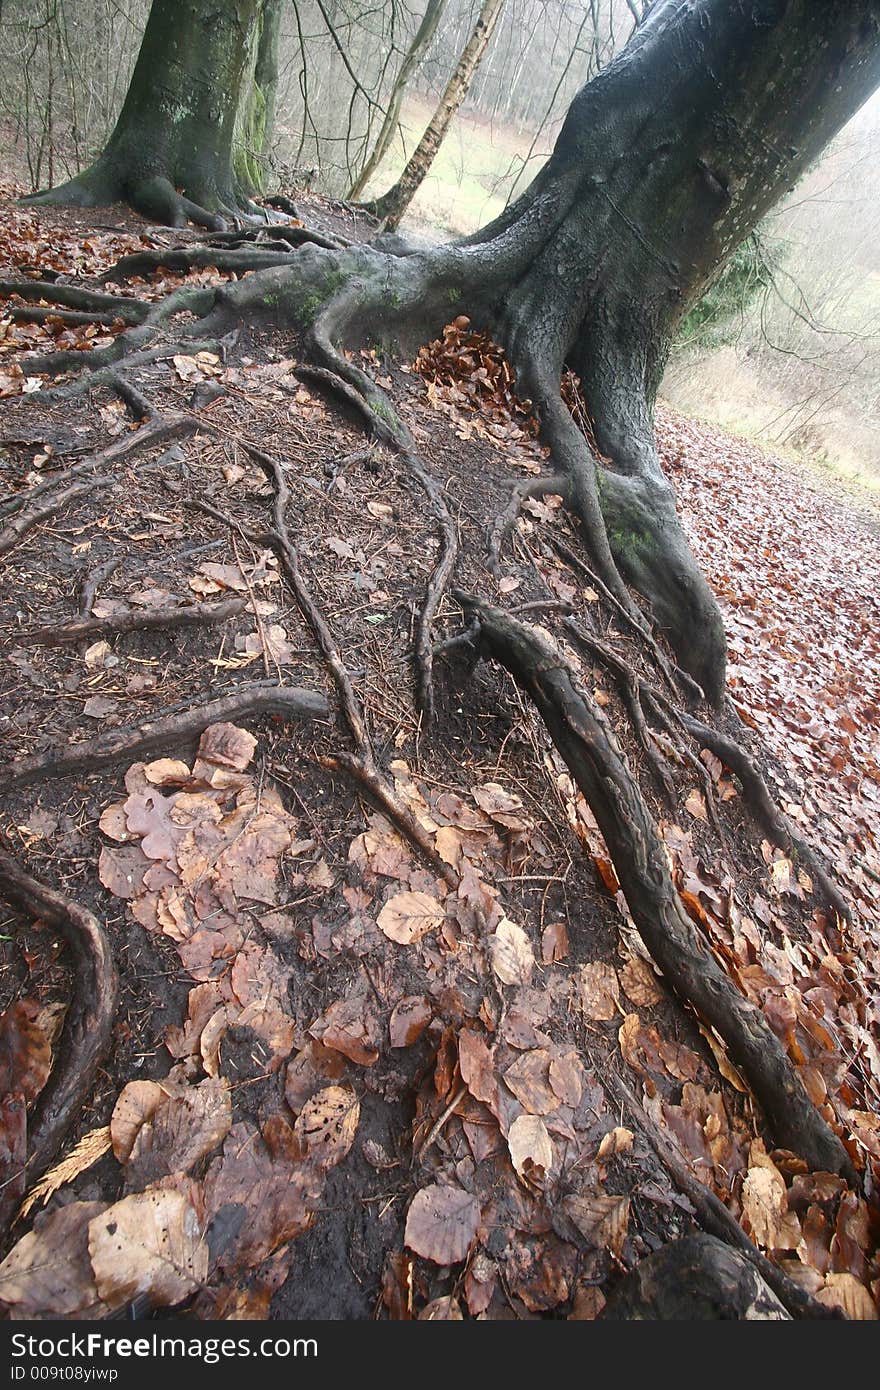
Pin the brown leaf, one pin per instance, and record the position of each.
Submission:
(409, 1019)
(602, 1220)
(407, 917)
(48, 1273)
(640, 983)
(183, 1127)
(441, 1223)
(554, 943)
(597, 991)
(477, 1066)
(25, 1056)
(327, 1124)
(844, 1291)
(256, 1200)
(350, 1027)
(567, 1078)
(151, 1243)
(531, 1148)
(225, 745)
(511, 954)
(528, 1079)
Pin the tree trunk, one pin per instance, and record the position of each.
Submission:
(393, 204)
(425, 33)
(665, 163)
(256, 120)
(170, 153)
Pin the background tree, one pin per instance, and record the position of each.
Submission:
(175, 130)
(393, 204)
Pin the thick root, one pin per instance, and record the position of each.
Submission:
(585, 743)
(85, 1037)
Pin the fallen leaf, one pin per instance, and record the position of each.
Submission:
(151, 1243)
(441, 1223)
(407, 917)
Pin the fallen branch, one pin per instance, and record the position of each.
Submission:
(135, 740)
(583, 739)
(85, 1037)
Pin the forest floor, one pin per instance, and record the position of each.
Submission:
(347, 1080)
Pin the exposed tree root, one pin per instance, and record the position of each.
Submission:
(88, 1024)
(135, 740)
(131, 311)
(93, 582)
(181, 259)
(138, 620)
(505, 522)
(582, 738)
(30, 508)
(775, 824)
(698, 1278)
(379, 790)
(712, 1215)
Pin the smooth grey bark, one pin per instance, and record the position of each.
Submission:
(170, 153)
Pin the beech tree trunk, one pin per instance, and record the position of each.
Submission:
(666, 161)
(393, 204)
(170, 153)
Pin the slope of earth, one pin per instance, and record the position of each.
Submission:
(386, 1040)
(795, 563)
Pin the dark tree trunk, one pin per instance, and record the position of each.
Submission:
(666, 161)
(170, 153)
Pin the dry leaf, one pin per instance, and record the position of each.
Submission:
(327, 1124)
(640, 983)
(409, 1019)
(531, 1148)
(441, 1223)
(602, 1220)
(151, 1243)
(407, 917)
(597, 991)
(511, 954)
(48, 1272)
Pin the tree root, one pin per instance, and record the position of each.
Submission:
(135, 740)
(505, 522)
(379, 790)
(712, 1215)
(699, 1278)
(628, 685)
(582, 738)
(180, 260)
(131, 311)
(138, 620)
(85, 1037)
(775, 824)
(38, 504)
